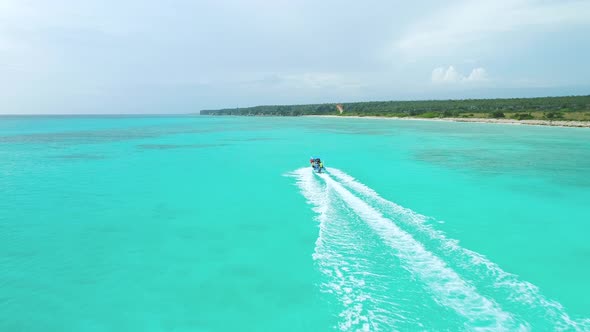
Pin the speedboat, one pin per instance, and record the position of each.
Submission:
(317, 164)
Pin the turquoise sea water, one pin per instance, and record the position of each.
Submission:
(218, 224)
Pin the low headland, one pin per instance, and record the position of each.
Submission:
(567, 111)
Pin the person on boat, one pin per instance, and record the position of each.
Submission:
(316, 164)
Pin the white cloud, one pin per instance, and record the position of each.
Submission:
(478, 74)
(451, 75)
(308, 80)
(448, 31)
(320, 80)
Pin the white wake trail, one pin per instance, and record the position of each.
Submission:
(520, 292)
(337, 262)
(447, 287)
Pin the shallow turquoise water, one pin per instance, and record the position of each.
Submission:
(217, 224)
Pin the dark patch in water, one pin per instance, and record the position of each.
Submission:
(255, 139)
(252, 139)
(79, 156)
(79, 137)
(567, 169)
(356, 128)
(481, 160)
(177, 146)
(105, 136)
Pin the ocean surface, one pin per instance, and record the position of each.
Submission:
(218, 224)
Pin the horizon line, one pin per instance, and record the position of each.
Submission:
(294, 104)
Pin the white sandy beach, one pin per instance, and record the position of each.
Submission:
(581, 124)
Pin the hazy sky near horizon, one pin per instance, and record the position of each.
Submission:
(182, 56)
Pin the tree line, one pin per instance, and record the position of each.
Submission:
(522, 108)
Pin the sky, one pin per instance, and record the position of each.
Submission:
(177, 56)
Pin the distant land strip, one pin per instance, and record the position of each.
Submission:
(561, 111)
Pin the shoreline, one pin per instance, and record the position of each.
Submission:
(548, 123)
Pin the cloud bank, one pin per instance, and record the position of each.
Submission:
(442, 75)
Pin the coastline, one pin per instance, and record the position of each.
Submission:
(558, 123)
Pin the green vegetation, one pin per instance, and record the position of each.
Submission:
(429, 115)
(546, 108)
(497, 115)
(554, 115)
(523, 116)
